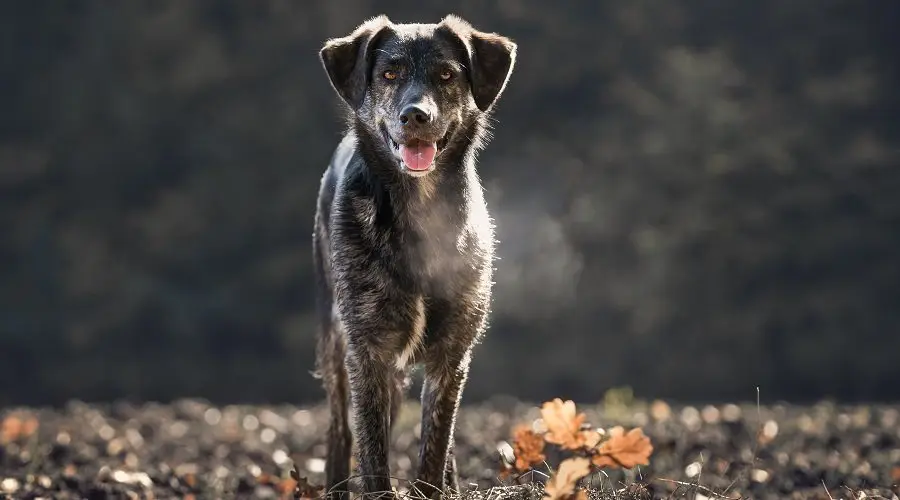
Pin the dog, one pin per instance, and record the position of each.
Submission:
(403, 244)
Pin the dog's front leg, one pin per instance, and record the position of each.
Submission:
(445, 377)
(370, 387)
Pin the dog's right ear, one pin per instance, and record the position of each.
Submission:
(347, 59)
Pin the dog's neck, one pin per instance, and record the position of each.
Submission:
(441, 204)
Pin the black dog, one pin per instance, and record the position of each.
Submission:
(403, 243)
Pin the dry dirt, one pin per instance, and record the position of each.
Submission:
(193, 449)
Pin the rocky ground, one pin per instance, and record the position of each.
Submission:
(191, 449)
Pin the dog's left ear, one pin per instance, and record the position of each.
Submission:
(347, 60)
(491, 60)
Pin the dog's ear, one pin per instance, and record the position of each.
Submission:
(347, 60)
(491, 58)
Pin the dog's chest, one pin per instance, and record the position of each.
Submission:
(436, 248)
(438, 251)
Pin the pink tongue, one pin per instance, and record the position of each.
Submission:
(418, 157)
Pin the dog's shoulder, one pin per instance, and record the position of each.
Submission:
(337, 167)
(330, 182)
(343, 153)
(340, 159)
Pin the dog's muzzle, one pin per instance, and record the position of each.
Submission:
(416, 155)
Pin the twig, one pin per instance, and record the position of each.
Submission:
(696, 486)
(826, 490)
(755, 441)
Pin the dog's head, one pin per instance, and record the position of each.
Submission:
(418, 88)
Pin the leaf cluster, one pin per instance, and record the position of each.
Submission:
(588, 448)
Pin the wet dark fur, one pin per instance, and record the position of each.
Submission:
(403, 262)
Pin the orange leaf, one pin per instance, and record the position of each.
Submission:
(14, 428)
(622, 449)
(29, 426)
(286, 487)
(302, 488)
(591, 437)
(563, 424)
(506, 471)
(561, 486)
(306, 490)
(602, 461)
(528, 447)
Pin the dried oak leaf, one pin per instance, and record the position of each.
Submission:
(302, 487)
(506, 472)
(561, 485)
(286, 488)
(16, 427)
(592, 438)
(623, 449)
(564, 424)
(528, 447)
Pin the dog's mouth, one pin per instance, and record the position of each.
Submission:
(416, 156)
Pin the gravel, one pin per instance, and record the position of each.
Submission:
(192, 449)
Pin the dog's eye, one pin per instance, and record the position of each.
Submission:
(446, 75)
(390, 75)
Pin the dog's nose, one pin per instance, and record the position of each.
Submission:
(414, 115)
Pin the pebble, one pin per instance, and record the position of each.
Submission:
(9, 485)
(759, 475)
(691, 418)
(731, 412)
(268, 436)
(250, 423)
(710, 414)
(315, 465)
(693, 469)
(280, 457)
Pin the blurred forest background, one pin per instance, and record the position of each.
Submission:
(693, 198)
